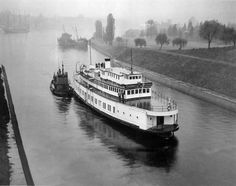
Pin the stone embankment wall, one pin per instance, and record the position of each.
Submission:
(9, 108)
(4, 120)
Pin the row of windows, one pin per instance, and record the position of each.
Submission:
(118, 77)
(129, 92)
(98, 101)
(104, 105)
(113, 75)
(109, 107)
(134, 91)
(134, 77)
(138, 91)
(111, 88)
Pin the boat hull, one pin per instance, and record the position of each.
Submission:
(67, 93)
(15, 31)
(73, 44)
(150, 133)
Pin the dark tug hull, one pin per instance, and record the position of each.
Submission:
(160, 134)
(59, 85)
(60, 93)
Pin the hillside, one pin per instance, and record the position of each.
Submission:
(226, 54)
(218, 77)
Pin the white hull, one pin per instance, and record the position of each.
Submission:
(145, 120)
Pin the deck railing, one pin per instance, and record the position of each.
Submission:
(168, 104)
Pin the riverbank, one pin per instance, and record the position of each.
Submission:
(224, 54)
(4, 119)
(212, 82)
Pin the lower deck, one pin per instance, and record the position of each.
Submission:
(133, 115)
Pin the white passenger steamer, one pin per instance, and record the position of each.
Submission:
(124, 96)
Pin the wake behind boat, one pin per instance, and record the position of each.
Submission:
(124, 96)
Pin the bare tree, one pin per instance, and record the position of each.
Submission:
(140, 42)
(162, 39)
(209, 30)
(179, 42)
(228, 35)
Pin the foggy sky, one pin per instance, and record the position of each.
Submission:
(133, 10)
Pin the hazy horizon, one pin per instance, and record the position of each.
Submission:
(137, 11)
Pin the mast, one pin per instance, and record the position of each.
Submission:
(8, 20)
(90, 52)
(62, 68)
(63, 27)
(131, 61)
(58, 66)
(76, 32)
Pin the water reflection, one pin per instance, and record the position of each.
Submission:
(4, 112)
(4, 147)
(207, 133)
(62, 104)
(126, 143)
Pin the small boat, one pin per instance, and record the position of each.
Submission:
(60, 84)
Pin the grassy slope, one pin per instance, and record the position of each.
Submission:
(227, 54)
(217, 77)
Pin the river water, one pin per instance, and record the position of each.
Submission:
(68, 144)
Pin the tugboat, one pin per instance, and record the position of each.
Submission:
(60, 84)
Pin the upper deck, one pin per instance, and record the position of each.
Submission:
(132, 91)
(124, 86)
(117, 75)
(156, 103)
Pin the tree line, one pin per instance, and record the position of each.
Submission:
(212, 29)
(208, 30)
